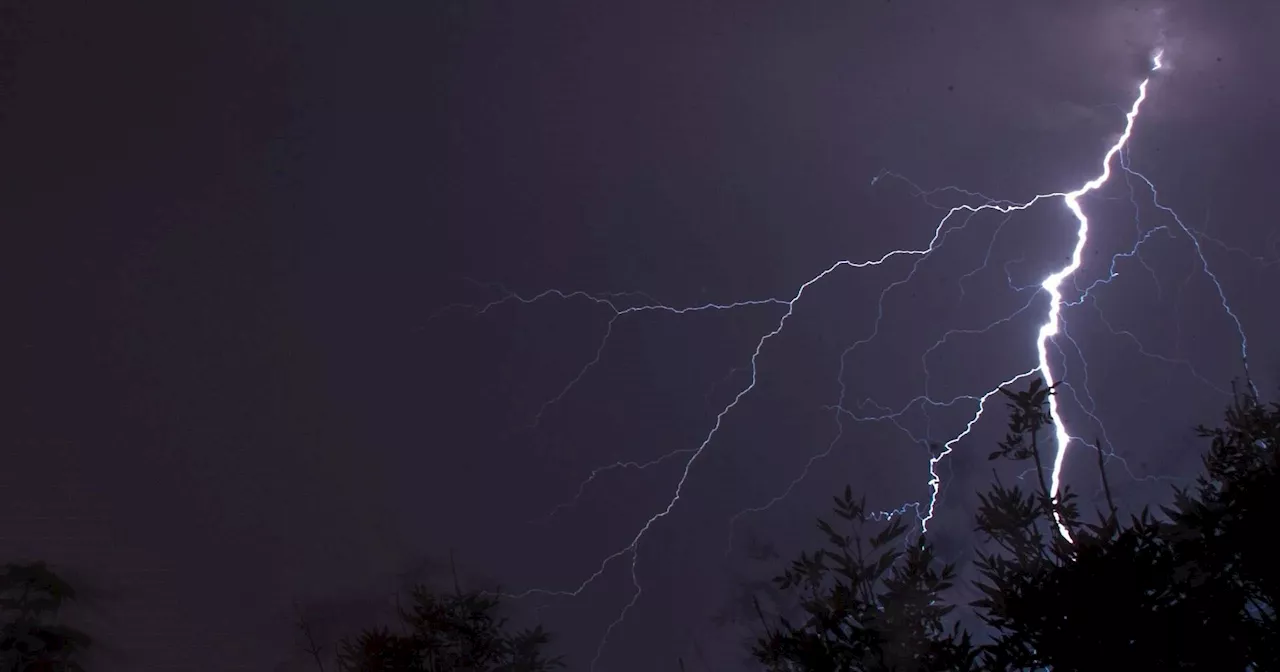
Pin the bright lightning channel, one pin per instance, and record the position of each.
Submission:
(622, 305)
(1053, 285)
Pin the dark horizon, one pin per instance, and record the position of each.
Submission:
(243, 240)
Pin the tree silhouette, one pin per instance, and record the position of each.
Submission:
(451, 632)
(31, 636)
(1193, 590)
(1220, 532)
(1112, 597)
(868, 605)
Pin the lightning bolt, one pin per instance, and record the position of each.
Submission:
(1053, 285)
(622, 306)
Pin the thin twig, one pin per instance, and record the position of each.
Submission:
(312, 648)
(1106, 486)
(760, 612)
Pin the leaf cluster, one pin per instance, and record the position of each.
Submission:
(1221, 531)
(869, 603)
(454, 632)
(31, 636)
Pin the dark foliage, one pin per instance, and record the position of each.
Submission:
(868, 604)
(454, 632)
(1194, 589)
(31, 637)
(1221, 531)
(1112, 597)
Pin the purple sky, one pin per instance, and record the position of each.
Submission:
(232, 231)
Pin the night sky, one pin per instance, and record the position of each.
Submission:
(270, 276)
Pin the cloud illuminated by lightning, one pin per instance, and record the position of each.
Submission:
(625, 306)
